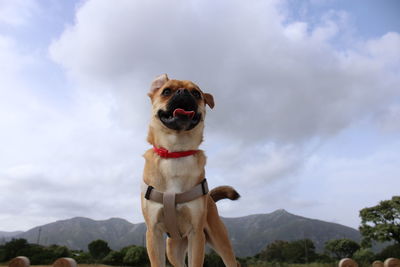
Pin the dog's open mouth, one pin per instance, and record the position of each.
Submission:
(179, 119)
(181, 112)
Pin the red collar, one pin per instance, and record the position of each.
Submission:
(164, 153)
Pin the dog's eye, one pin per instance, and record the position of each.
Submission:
(166, 92)
(196, 94)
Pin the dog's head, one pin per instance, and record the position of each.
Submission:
(178, 105)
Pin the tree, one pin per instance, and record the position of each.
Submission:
(213, 260)
(364, 255)
(60, 251)
(274, 251)
(382, 222)
(38, 255)
(82, 257)
(342, 248)
(98, 249)
(391, 251)
(124, 250)
(114, 258)
(44, 255)
(136, 256)
(300, 251)
(12, 248)
(2, 254)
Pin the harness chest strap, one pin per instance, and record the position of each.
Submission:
(169, 200)
(170, 217)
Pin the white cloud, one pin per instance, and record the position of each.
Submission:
(69, 163)
(389, 118)
(274, 80)
(346, 184)
(59, 161)
(281, 87)
(299, 85)
(265, 176)
(16, 12)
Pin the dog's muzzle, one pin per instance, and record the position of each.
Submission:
(181, 112)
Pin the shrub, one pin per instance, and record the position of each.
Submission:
(2, 254)
(13, 248)
(392, 251)
(364, 256)
(98, 249)
(136, 256)
(341, 248)
(114, 258)
(82, 257)
(298, 251)
(213, 260)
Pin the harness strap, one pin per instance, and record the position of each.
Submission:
(169, 201)
(199, 190)
(170, 220)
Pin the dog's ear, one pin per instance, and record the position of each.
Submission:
(209, 99)
(158, 82)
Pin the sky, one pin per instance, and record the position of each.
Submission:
(307, 95)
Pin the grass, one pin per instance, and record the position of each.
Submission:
(270, 265)
(255, 265)
(80, 265)
(294, 265)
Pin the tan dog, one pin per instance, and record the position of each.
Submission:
(177, 125)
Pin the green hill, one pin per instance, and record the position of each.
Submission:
(249, 234)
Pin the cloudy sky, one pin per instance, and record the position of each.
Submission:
(307, 93)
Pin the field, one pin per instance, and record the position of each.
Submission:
(80, 265)
(265, 265)
(294, 265)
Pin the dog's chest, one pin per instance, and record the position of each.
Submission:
(180, 174)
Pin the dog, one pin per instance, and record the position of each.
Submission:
(175, 197)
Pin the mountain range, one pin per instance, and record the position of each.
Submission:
(249, 234)
(9, 234)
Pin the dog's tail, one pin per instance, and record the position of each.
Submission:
(222, 192)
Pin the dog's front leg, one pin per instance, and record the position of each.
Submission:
(155, 247)
(196, 248)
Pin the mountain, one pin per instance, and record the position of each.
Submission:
(9, 234)
(78, 232)
(252, 233)
(249, 234)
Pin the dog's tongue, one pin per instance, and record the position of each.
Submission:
(183, 112)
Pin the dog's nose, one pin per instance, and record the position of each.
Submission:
(182, 91)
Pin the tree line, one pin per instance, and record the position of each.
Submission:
(298, 252)
(98, 252)
(380, 223)
(303, 251)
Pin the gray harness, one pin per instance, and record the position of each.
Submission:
(169, 201)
